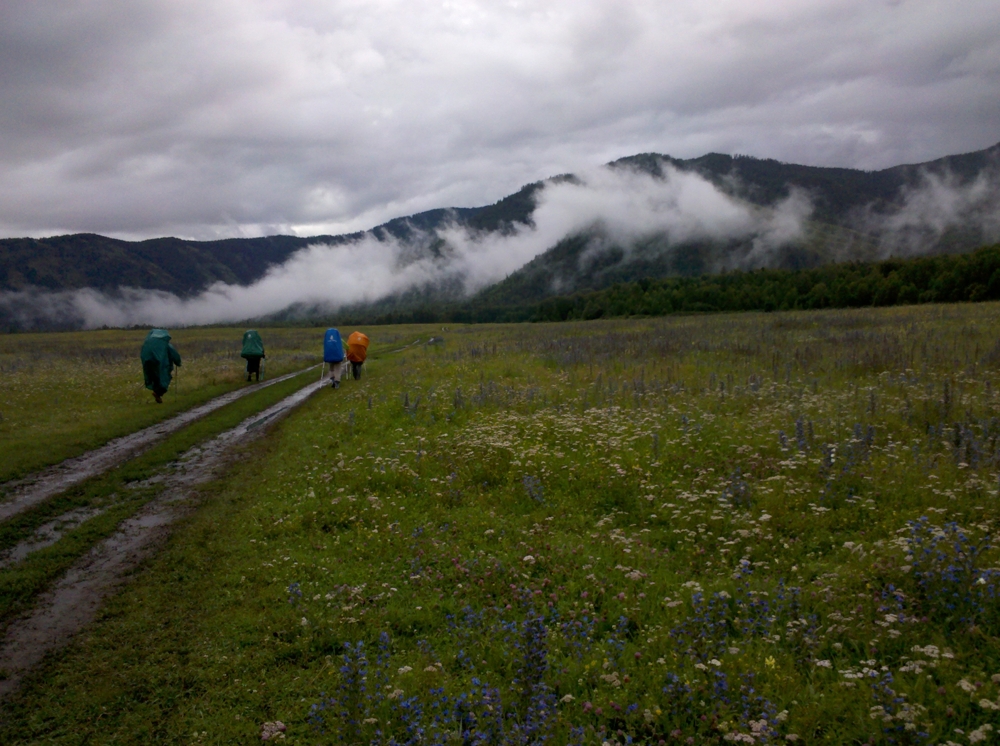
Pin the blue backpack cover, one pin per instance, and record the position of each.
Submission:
(333, 348)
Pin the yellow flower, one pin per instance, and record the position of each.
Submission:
(769, 661)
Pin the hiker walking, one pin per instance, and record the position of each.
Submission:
(253, 352)
(158, 358)
(357, 351)
(333, 354)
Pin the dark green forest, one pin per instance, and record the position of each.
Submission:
(937, 279)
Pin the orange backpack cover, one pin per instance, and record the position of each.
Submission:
(357, 347)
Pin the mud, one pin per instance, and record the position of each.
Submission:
(75, 599)
(48, 534)
(26, 493)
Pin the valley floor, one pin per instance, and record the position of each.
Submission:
(753, 528)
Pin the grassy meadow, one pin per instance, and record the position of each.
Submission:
(63, 394)
(754, 528)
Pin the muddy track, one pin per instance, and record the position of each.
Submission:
(75, 599)
(26, 493)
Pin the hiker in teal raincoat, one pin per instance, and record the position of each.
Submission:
(253, 352)
(158, 360)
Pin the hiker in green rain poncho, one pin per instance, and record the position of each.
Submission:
(158, 360)
(253, 352)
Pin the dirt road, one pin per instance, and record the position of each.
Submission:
(75, 599)
(31, 491)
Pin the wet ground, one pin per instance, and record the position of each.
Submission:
(74, 600)
(23, 494)
(48, 534)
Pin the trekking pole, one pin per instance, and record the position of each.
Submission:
(322, 369)
(262, 367)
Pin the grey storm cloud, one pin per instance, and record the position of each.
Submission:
(222, 118)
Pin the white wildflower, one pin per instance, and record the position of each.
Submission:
(980, 733)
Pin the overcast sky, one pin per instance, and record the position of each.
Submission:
(214, 118)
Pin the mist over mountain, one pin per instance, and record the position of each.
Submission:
(647, 215)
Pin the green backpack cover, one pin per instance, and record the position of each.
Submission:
(253, 345)
(158, 359)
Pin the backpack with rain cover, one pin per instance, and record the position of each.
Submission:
(357, 347)
(333, 347)
(158, 360)
(253, 345)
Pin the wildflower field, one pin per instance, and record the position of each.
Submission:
(61, 394)
(754, 528)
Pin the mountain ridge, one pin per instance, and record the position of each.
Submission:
(837, 195)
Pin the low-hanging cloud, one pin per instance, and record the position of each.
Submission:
(939, 204)
(620, 206)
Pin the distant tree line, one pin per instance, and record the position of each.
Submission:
(937, 279)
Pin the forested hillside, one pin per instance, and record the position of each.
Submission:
(835, 192)
(953, 278)
(968, 277)
(170, 264)
(186, 267)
